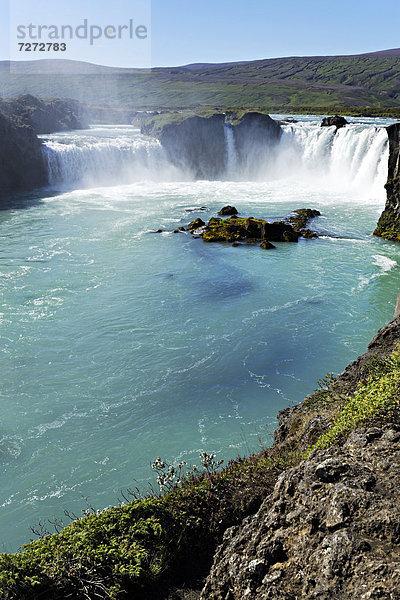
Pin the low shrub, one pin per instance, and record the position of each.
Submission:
(377, 399)
(146, 545)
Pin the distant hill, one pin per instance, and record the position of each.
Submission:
(369, 80)
(59, 66)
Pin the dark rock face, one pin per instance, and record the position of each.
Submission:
(21, 162)
(255, 134)
(330, 529)
(266, 245)
(228, 211)
(336, 121)
(45, 116)
(388, 225)
(196, 144)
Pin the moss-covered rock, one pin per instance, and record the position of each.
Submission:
(301, 217)
(228, 211)
(255, 230)
(236, 228)
(225, 230)
(388, 225)
(196, 224)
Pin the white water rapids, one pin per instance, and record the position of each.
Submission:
(354, 157)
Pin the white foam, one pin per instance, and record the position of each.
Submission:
(385, 263)
(354, 159)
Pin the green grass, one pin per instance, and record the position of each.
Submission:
(284, 84)
(376, 399)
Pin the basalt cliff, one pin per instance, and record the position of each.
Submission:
(21, 120)
(331, 527)
(389, 222)
(200, 144)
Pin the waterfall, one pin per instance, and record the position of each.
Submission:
(353, 158)
(231, 153)
(92, 159)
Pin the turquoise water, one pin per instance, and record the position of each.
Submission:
(119, 345)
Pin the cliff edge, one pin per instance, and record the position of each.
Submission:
(200, 144)
(329, 530)
(315, 516)
(331, 527)
(388, 225)
(21, 162)
(22, 118)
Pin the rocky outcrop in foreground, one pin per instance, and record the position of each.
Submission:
(331, 529)
(326, 527)
(389, 222)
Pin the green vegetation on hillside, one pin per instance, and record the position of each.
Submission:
(378, 398)
(145, 545)
(282, 84)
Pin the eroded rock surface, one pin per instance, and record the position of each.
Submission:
(389, 222)
(330, 529)
(21, 161)
(335, 121)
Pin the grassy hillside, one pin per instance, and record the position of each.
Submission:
(371, 80)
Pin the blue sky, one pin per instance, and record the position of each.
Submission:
(184, 31)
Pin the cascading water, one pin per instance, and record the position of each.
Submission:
(354, 157)
(231, 153)
(96, 158)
